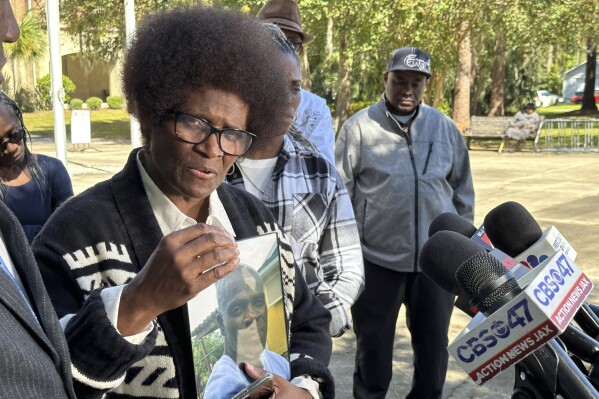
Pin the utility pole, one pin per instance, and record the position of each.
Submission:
(129, 31)
(57, 91)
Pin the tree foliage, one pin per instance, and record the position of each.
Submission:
(516, 46)
(32, 40)
(98, 26)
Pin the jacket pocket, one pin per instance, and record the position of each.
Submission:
(428, 157)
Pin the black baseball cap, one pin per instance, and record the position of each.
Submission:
(410, 59)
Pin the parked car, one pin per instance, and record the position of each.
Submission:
(577, 97)
(546, 99)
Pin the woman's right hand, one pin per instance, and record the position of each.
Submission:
(183, 264)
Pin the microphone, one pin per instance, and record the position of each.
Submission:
(440, 225)
(580, 344)
(451, 222)
(454, 222)
(513, 230)
(485, 280)
(525, 237)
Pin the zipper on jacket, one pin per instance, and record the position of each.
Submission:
(408, 138)
(428, 157)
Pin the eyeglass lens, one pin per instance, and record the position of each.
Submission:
(195, 130)
(13, 138)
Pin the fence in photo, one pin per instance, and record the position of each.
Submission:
(568, 135)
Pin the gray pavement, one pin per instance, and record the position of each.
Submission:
(560, 189)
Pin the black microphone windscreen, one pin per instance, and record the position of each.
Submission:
(451, 222)
(479, 272)
(441, 255)
(511, 228)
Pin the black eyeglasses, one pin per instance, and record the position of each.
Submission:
(13, 138)
(195, 130)
(297, 46)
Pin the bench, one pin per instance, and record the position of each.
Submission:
(488, 127)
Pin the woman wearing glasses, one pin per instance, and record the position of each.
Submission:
(203, 83)
(32, 186)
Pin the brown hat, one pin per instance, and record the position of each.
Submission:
(285, 14)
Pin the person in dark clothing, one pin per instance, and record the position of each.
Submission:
(39, 356)
(32, 186)
(203, 82)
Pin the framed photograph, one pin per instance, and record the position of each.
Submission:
(240, 319)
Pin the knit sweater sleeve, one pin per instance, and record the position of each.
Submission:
(99, 354)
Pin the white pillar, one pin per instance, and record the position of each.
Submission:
(57, 91)
(129, 30)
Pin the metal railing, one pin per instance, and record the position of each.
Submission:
(568, 135)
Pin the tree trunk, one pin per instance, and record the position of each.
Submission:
(473, 85)
(34, 76)
(549, 62)
(461, 93)
(496, 103)
(306, 81)
(438, 84)
(588, 97)
(14, 78)
(343, 91)
(329, 46)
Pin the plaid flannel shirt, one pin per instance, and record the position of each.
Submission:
(311, 204)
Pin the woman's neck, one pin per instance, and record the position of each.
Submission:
(13, 175)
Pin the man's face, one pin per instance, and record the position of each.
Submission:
(9, 30)
(404, 90)
(187, 172)
(244, 318)
(294, 77)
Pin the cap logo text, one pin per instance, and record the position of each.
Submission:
(412, 61)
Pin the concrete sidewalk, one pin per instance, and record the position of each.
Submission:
(557, 189)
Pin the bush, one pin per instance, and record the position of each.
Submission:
(357, 106)
(115, 102)
(26, 100)
(43, 97)
(93, 103)
(444, 107)
(76, 103)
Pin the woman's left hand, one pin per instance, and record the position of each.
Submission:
(283, 388)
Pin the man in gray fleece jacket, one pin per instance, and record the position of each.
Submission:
(403, 163)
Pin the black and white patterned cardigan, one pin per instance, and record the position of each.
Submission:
(104, 236)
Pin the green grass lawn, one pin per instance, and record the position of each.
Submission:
(556, 110)
(107, 124)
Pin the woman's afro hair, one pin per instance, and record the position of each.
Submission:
(190, 48)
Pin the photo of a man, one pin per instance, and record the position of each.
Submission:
(243, 319)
